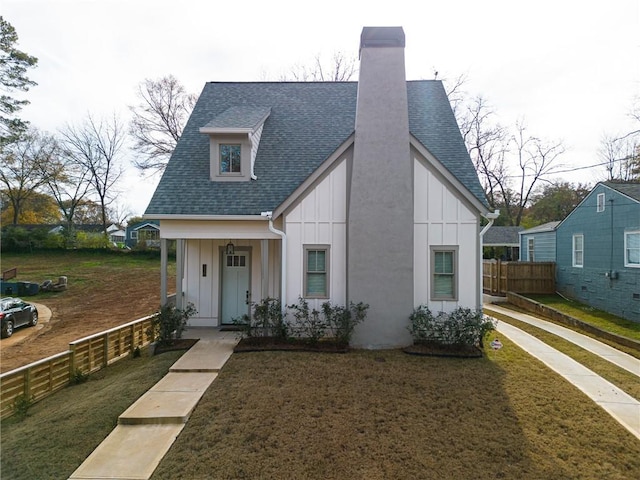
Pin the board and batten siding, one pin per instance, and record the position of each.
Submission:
(204, 291)
(320, 218)
(441, 218)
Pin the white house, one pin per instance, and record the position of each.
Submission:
(338, 191)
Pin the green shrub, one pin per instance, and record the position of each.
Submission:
(169, 323)
(341, 321)
(21, 406)
(79, 377)
(462, 326)
(267, 320)
(309, 324)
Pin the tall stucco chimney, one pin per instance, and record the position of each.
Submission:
(380, 231)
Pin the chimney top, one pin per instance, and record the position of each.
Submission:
(382, 37)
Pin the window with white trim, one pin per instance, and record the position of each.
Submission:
(600, 202)
(578, 250)
(444, 276)
(530, 249)
(632, 249)
(134, 234)
(230, 159)
(316, 271)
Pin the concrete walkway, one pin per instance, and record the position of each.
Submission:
(148, 428)
(620, 405)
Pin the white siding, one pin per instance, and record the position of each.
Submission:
(319, 218)
(204, 292)
(442, 218)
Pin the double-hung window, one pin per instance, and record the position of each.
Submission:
(444, 273)
(316, 271)
(632, 249)
(229, 159)
(531, 249)
(578, 250)
(600, 203)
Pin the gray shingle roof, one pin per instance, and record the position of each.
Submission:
(307, 123)
(498, 235)
(629, 189)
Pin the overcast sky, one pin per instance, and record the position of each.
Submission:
(570, 69)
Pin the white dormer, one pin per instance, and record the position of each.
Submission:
(234, 136)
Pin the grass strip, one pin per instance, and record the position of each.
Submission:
(597, 318)
(60, 431)
(620, 377)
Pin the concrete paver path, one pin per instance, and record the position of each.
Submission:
(620, 405)
(148, 428)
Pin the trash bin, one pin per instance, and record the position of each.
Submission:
(32, 288)
(22, 288)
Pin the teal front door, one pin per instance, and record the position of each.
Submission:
(235, 286)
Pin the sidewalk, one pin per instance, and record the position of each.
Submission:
(148, 428)
(620, 405)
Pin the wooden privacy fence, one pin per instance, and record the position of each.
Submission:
(498, 277)
(40, 379)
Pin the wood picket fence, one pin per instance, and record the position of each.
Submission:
(40, 379)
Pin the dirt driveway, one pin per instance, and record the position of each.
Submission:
(97, 299)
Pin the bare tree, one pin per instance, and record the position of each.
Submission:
(536, 161)
(26, 166)
(510, 163)
(339, 68)
(95, 146)
(158, 121)
(69, 190)
(487, 143)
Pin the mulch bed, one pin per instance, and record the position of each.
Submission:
(178, 344)
(439, 350)
(261, 344)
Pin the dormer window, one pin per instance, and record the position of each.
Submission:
(234, 137)
(230, 159)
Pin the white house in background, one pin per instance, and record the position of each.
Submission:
(331, 191)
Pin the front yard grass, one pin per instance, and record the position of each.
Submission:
(386, 414)
(60, 431)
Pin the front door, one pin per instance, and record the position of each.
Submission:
(235, 286)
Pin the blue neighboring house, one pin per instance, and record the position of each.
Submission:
(538, 244)
(598, 250)
(147, 230)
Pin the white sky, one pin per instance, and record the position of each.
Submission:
(569, 68)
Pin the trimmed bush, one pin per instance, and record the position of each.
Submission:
(462, 326)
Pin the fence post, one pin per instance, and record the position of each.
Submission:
(72, 360)
(105, 351)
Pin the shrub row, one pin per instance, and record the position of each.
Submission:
(462, 326)
(334, 322)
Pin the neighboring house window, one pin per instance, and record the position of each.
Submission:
(600, 207)
(134, 235)
(632, 249)
(578, 250)
(229, 159)
(316, 271)
(531, 249)
(444, 266)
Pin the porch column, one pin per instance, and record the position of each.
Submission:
(264, 274)
(179, 273)
(163, 271)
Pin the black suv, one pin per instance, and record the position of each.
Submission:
(14, 313)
